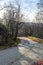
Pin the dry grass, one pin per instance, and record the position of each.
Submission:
(36, 39)
(11, 43)
(3, 47)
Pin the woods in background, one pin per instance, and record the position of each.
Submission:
(13, 25)
(31, 29)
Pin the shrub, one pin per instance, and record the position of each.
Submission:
(3, 35)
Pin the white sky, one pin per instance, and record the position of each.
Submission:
(29, 8)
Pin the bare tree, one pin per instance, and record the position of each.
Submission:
(39, 16)
(9, 18)
(17, 18)
(13, 18)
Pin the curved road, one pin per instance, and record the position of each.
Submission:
(24, 54)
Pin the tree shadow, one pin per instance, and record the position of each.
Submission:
(18, 55)
(38, 51)
(22, 58)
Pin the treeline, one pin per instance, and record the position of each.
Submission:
(31, 29)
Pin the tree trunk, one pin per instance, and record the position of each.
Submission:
(6, 40)
(16, 32)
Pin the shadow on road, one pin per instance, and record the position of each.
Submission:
(23, 54)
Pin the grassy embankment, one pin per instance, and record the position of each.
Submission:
(11, 43)
(36, 39)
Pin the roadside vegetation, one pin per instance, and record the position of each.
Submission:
(6, 39)
(36, 39)
(11, 43)
(9, 31)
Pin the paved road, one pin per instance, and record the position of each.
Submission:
(24, 54)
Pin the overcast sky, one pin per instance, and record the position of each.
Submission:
(28, 8)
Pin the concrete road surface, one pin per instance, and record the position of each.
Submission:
(24, 54)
